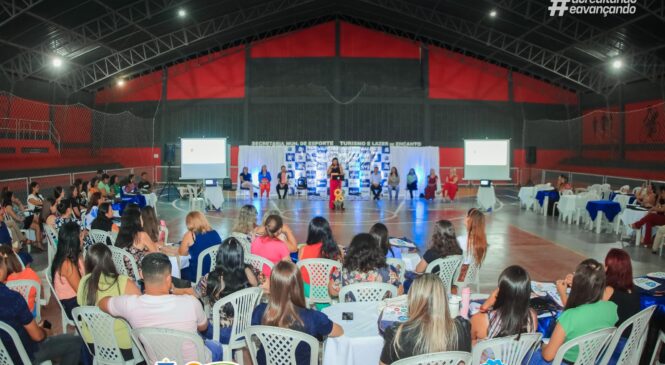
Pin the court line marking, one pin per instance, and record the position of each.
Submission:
(272, 203)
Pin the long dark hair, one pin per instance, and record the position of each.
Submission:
(380, 233)
(113, 180)
(130, 226)
(229, 274)
(286, 296)
(101, 214)
(364, 254)
(319, 231)
(46, 209)
(7, 198)
(150, 222)
(98, 262)
(588, 284)
(93, 200)
(69, 247)
(33, 185)
(512, 301)
(444, 241)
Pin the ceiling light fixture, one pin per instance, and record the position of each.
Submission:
(617, 64)
(121, 82)
(57, 62)
(493, 13)
(182, 13)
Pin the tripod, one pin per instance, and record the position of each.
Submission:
(169, 183)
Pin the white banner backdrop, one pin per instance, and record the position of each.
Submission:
(253, 157)
(421, 159)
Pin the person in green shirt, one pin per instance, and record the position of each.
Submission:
(114, 185)
(585, 312)
(104, 187)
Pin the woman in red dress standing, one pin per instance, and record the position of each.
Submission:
(450, 186)
(336, 175)
(432, 181)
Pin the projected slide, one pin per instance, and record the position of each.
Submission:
(203, 158)
(486, 159)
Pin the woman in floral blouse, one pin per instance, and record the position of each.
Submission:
(365, 262)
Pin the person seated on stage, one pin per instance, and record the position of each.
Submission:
(562, 184)
(442, 244)
(282, 182)
(199, 236)
(365, 262)
(412, 183)
(450, 186)
(430, 327)
(585, 312)
(393, 183)
(269, 245)
(287, 308)
(246, 181)
(130, 185)
(646, 197)
(144, 185)
(264, 182)
(506, 312)
(380, 233)
(104, 186)
(432, 182)
(655, 217)
(160, 309)
(375, 183)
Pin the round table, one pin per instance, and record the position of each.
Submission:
(361, 343)
(214, 196)
(527, 195)
(486, 197)
(630, 216)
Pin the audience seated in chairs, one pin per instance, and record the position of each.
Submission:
(102, 280)
(23, 222)
(442, 244)
(380, 233)
(67, 267)
(229, 275)
(286, 308)
(320, 243)
(245, 182)
(430, 327)
(16, 271)
(199, 236)
(365, 262)
(412, 183)
(268, 245)
(36, 340)
(158, 308)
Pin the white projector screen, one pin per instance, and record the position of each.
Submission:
(486, 159)
(203, 158)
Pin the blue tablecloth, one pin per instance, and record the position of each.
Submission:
(129, 199)
(614, 194)
(655, 296)
(611, 209)
(552, 194)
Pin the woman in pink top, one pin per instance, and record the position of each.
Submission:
(269, 246)
(67, 266)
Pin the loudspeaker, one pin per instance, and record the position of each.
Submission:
(531, 153)
(169, 153)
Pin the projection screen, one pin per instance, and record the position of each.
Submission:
(203, 158)
(486, 159)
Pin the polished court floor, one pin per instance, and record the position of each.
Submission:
(546, 247)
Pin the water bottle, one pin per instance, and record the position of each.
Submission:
(162, 230)
(466, 300)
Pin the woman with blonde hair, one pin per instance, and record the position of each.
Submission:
(246, 221)
(430, 327)
(286, 308)
(198, 237)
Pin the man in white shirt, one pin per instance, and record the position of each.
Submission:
(158, 308)
(375, 183)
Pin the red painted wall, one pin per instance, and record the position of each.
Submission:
(317, 41)
(220, 78)
(600, 126)
(357, 41)
(74, 123)
(645, 122)
(142, 88)
(454, 76)
(130, 156)
(529, 90)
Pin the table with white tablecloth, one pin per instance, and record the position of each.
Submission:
(214, 196)
(176, 267)
(486, 197)
(411, 260)
(361, 343)
(527, 195)
(630, 216)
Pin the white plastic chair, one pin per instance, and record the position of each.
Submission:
(101, 327)
(156, 344)
(243, 303)
(366, 292)
(196, 202)
(51, 243)
(17, 345)
(244, 241)
(437, 358)
(279, 344)
(319, 271)
(509, 350)
(472, 276)
(657, 348)
(99, 236)
(23, 287)
(258, 262)
(447, 268)
(119, 255)
(590, 346)
(64, 319)
(605, 191)
(400, 265)
(210, 252)
(635, 343)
